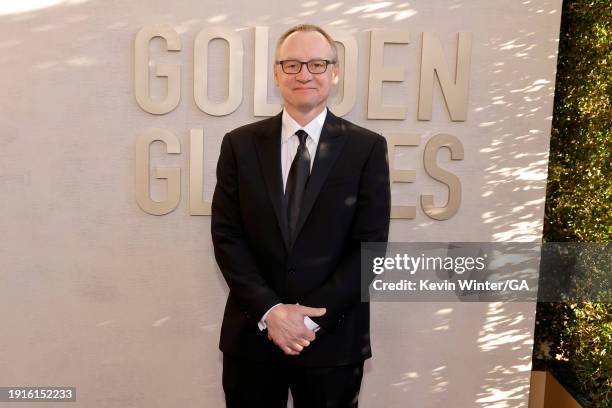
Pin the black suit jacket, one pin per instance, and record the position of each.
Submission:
(346, 202)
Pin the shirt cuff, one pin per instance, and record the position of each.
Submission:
(262, 323)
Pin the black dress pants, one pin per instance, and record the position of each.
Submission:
(249, 384)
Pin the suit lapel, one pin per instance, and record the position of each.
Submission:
(268, 145)
(330, 145)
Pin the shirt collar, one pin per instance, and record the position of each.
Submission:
(313, 128)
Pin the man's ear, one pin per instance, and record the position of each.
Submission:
(336, 74)
(275, 74)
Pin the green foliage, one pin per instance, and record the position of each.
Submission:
(589, 336)
(579, 183)
(574, 340)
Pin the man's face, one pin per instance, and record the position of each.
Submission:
(305, 91)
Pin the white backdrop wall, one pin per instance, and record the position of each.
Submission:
(126, 306)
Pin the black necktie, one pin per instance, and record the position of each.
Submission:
(296, 183)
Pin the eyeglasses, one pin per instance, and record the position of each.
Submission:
(314, 66)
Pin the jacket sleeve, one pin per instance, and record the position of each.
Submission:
(232, 252)
(371, 224)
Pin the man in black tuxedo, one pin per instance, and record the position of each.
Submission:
(296, 195)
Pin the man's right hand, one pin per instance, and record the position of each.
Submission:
(286, 327)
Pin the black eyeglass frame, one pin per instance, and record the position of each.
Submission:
(302, 63)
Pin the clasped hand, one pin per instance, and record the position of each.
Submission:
(286, 327)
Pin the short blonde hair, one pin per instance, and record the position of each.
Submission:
(307, 27)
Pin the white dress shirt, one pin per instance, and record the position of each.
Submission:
(289, 145)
